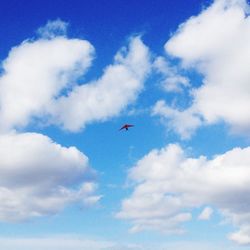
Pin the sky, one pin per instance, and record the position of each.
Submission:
(73, 73)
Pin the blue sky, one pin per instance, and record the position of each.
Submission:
(72, 73)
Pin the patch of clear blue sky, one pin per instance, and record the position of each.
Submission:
(108, 25)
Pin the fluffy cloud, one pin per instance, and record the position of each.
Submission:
(169, 184)
(242, 236)
(34, 74)
(37, 176)
(110, 94)
(39, 81)
(216, 43)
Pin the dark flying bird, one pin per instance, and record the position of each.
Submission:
(126, 126)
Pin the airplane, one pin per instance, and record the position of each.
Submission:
(126, 126)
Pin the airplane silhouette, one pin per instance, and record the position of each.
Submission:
(126, 126)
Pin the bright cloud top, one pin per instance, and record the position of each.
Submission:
(38, 72)
(37, 175)
(39, 82)
(34, 74)
(119, 86)
(216, 44)
(169, 185)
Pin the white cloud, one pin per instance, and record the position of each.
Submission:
(56, 242)
(217, 43)
(34, 74)
(242, 236)
(169, 184)
(203, 37)
(119, 86)
(206, 213)
(172, 80)
(39, 81)
(37, 176)
(184, 122)
(53, 29)
(77, 242)
(65, 242)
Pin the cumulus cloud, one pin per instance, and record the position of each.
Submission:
(216, 44)
(119, 86)
(242, 236)
(34, 74)
(169, 184)
(40, 81)
(37, 176)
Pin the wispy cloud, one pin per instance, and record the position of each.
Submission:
(172, 80)
(206, 213)
(53, 29)
(69, 242)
